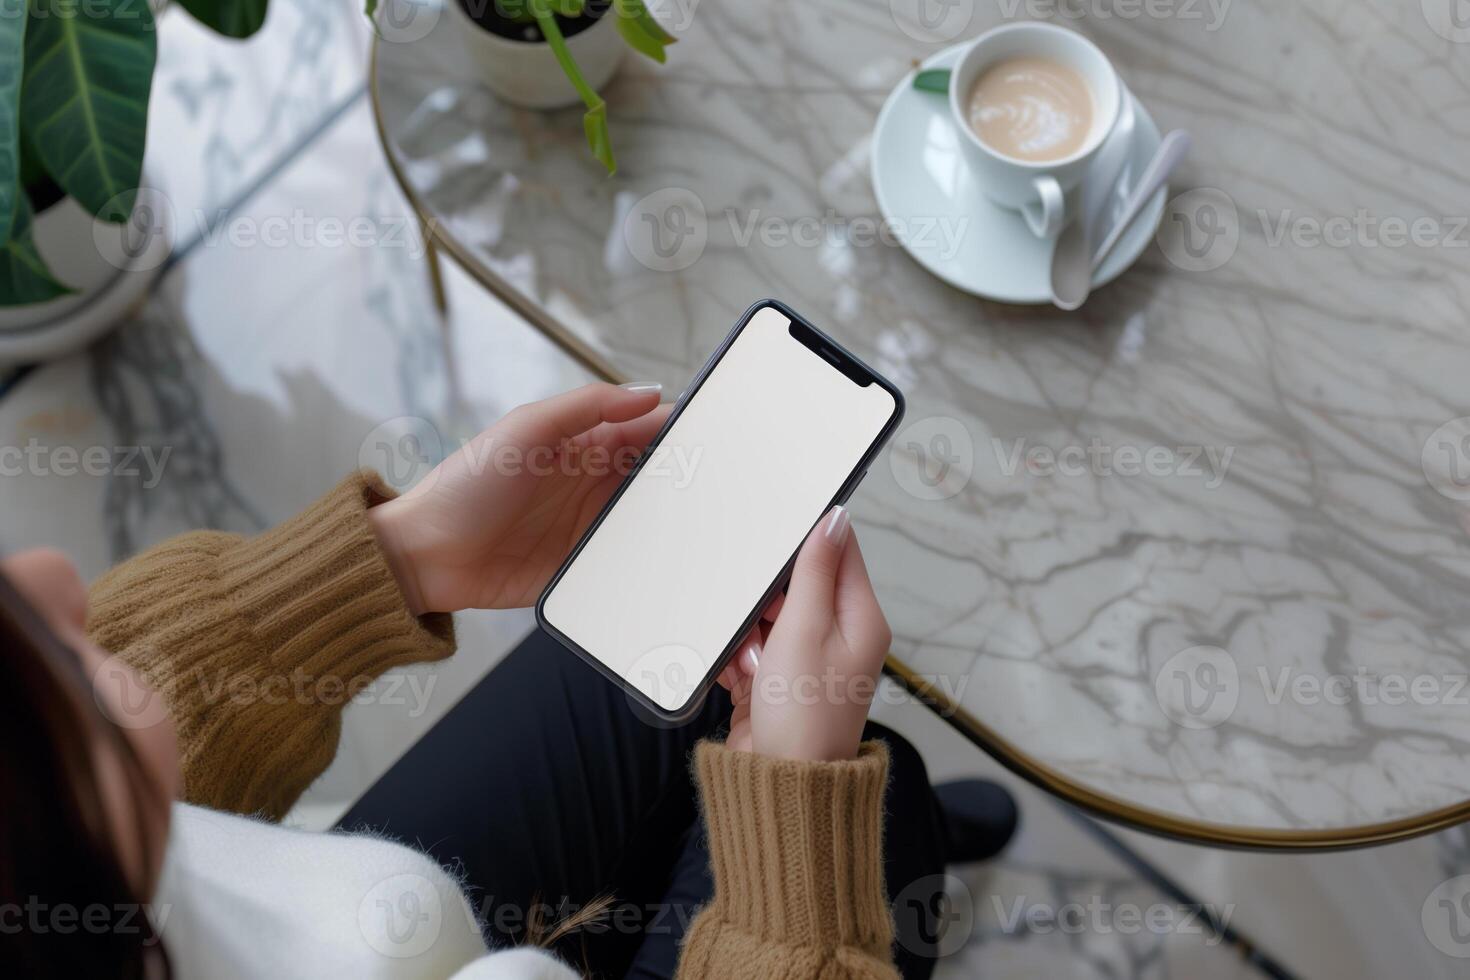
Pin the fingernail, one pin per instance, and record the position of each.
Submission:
(838, 524)
(642, 387)
(750, 657)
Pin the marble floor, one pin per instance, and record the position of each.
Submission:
(268, 372)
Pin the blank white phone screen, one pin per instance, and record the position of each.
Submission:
(660, 589)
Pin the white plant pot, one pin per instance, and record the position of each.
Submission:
(110, 267)
(526, 73)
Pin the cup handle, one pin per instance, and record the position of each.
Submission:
(1045, 213)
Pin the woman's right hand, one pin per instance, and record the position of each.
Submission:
(815, 669)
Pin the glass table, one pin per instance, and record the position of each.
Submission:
(1195, 558)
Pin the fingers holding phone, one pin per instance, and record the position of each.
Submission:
(489, 525)
(818, 666)
(747, 656)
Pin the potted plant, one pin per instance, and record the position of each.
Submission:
(543, 54)
(77, 248)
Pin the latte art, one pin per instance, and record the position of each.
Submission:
(1031, 108)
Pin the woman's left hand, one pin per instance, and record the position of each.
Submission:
(489, 526)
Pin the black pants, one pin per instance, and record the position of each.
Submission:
(547, 790)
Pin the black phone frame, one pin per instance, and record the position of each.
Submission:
(843, 361)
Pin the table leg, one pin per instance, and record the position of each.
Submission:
(436, 272)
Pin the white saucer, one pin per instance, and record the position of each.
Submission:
(919, 175)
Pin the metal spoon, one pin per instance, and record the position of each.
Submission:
(1071, 271)
(1171, 151)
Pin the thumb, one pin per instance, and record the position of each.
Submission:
(814, 577)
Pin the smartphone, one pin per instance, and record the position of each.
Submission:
(778, 426)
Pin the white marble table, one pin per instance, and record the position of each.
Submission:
(1199, 555)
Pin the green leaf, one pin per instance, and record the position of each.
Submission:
(633, 19)
(31, 171)
(649, 24)
(933, 80)
(594, 124)
(235, 18)
(370, 10)
(12, 44)
(24, 277)
(85, 98)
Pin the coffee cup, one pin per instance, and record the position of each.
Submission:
(1015, 169)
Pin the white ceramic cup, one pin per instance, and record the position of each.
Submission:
(1038, 189)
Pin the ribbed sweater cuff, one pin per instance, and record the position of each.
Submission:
(796, 847)
(317, 593)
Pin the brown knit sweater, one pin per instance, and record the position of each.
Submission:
(257, 643)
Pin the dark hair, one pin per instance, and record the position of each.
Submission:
(67, 906)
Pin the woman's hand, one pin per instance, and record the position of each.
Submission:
(803, 691)
(491, 524)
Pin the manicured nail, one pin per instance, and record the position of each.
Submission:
(837, 525)
(642, 387)
(750, 657)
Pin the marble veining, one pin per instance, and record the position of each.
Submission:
(144, 380)
(1283, 355)
(260, 371)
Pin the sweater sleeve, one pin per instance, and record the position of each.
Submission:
(796, 852)
(256, 644)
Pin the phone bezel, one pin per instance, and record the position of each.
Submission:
(850, 365)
